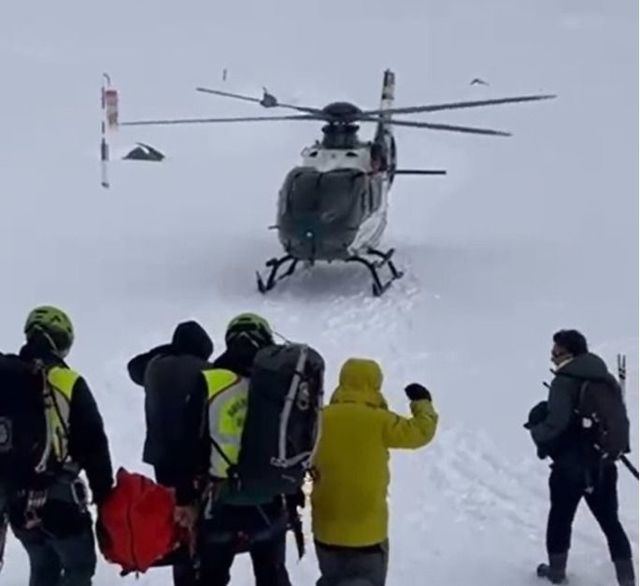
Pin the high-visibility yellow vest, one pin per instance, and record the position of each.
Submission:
(58, 393)
(227, 395)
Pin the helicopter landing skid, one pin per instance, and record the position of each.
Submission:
(382, 259)
(275, 264)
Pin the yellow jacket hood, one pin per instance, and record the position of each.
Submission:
(360, 382)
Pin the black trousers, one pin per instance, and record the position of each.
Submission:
(566, 492)
(184, 574)
(64, 561)
(267, 557)
(364, 566)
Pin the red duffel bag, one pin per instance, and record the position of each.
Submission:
(136, 528)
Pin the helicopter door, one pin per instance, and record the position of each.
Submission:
(375, 194)
(365, 202)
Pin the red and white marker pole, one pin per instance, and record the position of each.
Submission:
(109, 103)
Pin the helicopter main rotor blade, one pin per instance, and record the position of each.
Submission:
(458, 105)
(216, 120)
(228, 95)
(449, 127)
(258, 100)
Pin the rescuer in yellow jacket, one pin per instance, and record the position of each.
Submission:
(349, 499)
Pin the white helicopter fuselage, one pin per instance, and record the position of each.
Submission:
(325, 160)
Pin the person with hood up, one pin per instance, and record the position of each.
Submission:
(175, 410)
(351, 473)
(577, 470)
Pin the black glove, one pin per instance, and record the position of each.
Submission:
(416, 392)
(103, 538)
(537, 414)
(101, 495)
(541, 452)
(295, 500)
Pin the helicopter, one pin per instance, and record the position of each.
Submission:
(333, 207)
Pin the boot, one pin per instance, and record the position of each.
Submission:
(624, 572)
(555, 570)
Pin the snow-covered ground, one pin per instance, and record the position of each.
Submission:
(524, 236)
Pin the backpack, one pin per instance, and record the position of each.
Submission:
(282, 423)
(136, 528)
(24, 446)
(603, 417)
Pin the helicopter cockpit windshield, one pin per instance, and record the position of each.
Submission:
(331, 194)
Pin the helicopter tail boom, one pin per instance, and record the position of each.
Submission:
(384, 132)
(388, 92)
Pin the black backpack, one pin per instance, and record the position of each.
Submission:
(23, 427)
(603, 417)
(282, 424)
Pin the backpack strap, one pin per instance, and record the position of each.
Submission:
(586, 422)
(41, 466)
(282, 461)
(58, 390)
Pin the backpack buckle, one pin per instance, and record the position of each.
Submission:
(36, 499)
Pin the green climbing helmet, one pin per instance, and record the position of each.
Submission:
(251, 327)
(54, 324)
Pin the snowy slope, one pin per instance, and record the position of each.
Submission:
(498, 255)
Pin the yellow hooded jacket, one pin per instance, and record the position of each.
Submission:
(349, 499)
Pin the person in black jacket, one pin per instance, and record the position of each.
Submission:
(175, 409)
(49, 512)
(577, 470)
(230, 527)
